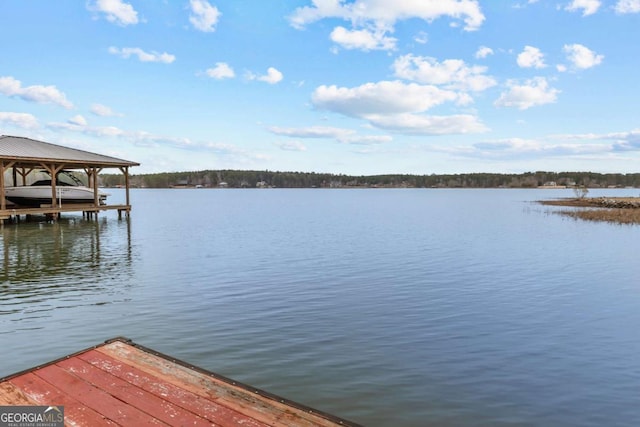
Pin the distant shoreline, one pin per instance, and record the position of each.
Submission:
(278, 179)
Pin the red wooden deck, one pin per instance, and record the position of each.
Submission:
(122, 383)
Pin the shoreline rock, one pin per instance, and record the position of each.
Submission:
(620, 210)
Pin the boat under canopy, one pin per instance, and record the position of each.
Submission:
(69, 189)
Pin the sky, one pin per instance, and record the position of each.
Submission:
(356, 87)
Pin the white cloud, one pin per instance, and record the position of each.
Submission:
(566, 144)
(140, 138)
(620, 141)
(585, 146)
(103, 111)
(628, 6)
(523, 96)
(515, 144)
(116, 11)
(345, 136)
(273, 76)
(373, 20)
(511, 148)
(100, 131)
(453, 73)
(524, 5)
(365, 139)
(143, 56)
(291, 146)
(386, 97)
(419, 124)
(148, 139)
(421, 38)
(312, 132)
(387, 13)
(222, 70)
(204, 16)
(625, 141)
(531, 57)
(588, 7)
(21, 120)
(397, 106)
(581, 56)
(78, 120)
(362, 39)
(483, 52)
(12, 87)
(235, 153)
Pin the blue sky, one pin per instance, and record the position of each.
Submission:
(354, 87)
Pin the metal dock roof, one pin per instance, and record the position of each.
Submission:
(122, 383)
(19, 149)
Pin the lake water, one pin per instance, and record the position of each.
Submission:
(386, 307)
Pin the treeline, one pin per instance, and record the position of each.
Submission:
(267, 179)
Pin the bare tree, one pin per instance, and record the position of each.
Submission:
(580, 191)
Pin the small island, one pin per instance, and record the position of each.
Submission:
(621, 210)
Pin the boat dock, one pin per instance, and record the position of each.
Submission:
(123, 383)
(88, 210)
(21, 158)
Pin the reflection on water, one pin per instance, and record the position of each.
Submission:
(72, 262)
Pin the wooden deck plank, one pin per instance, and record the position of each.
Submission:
(41, 392)
(152, 404)
(12, 395)
(261, 408)
(206, 408)
(94, 398)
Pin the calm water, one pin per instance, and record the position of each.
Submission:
(386, 307)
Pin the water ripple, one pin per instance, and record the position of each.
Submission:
(402, 308)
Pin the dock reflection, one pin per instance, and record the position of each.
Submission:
(65, 263)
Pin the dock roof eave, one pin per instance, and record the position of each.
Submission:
(26, 161)
(26, 151)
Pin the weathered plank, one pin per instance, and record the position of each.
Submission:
(12, 395)
(168, 390)
(94, 398)
(41, 392)
(262, 408)
(149, 403)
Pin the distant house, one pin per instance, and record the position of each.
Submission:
(551, 184)
(182, 184)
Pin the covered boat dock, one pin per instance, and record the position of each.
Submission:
(20, 156)
(122, 383)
